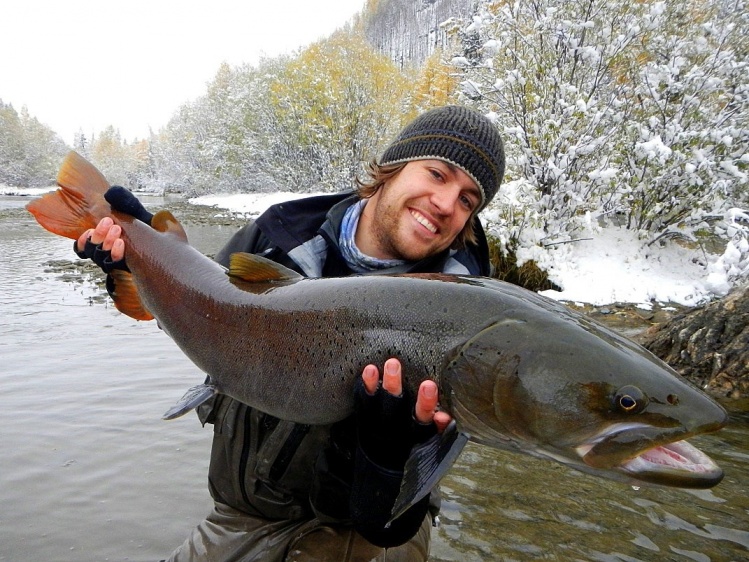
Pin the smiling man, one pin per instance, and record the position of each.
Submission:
(286, 491)
(422, 211)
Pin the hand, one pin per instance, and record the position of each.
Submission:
(425, 410)
(108, 235)
(390, 422)
(104, 244)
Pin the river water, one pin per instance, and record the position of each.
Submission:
(89, 471)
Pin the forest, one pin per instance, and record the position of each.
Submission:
(611, 110)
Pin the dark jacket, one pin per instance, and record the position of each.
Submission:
(277, 469)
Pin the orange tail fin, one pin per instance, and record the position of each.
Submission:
(78, 205)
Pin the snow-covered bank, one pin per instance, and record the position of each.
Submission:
(249, 204)
(613, 265)
(605, 266)
(25, 191)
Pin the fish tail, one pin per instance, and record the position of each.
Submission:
(75, 207)
(79, 202)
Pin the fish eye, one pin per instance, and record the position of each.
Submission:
(630, 399)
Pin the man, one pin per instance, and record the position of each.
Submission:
(293, 492)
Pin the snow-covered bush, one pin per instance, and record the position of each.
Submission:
(733, 264)
(610, 108)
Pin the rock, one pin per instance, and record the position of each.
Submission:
(708, 345)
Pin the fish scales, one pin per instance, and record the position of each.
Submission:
(315, 334)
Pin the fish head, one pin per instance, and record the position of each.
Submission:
(557, 385)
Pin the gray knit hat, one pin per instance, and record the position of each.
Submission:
(459, 136)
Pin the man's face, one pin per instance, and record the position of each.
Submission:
(419, 212)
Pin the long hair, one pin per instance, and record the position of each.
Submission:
(378, 175)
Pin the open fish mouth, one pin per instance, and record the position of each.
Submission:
(675, 463)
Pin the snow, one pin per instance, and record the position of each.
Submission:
(248, 204)
(25, 191)
(605, 266)
(613, 265)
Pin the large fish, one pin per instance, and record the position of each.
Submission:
(515, 370)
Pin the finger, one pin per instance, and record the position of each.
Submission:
(442, 420)
(113, 234)
(101, 230)
(81, 242)
(370, 375)
(118, 249)
(392, 380)
(426, 401)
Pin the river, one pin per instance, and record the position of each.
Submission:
(89, 471)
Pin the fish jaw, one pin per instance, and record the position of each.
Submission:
(673, 463)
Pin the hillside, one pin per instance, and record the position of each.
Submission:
(408, 31)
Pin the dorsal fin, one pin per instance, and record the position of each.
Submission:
(255, 269)
(125, 296)
(164, 221)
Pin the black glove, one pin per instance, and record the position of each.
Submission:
(387, 428)
(123, 200)
(101, 257)
(387, 431)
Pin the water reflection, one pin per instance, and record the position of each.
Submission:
(504, 506)
(89, 471)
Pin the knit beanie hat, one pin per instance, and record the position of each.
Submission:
(456, 135)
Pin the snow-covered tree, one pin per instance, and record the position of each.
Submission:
(613, 108)
(334, 106)
(30, 152)
(213, 143)
(683, 156)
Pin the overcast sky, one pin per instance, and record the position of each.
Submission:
(87, 64)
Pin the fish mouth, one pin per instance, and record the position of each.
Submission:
(667, 460)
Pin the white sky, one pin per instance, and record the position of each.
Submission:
(87, 64)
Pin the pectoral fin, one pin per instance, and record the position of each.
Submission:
(425, 467)
(193, 398)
